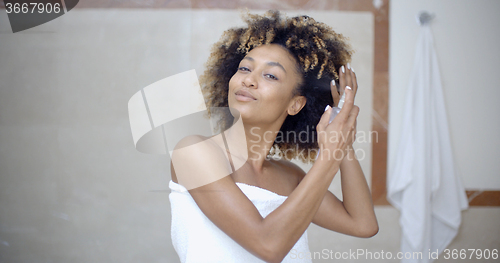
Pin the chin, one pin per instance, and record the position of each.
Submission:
(235, 106)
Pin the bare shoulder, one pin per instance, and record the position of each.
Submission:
(190, 140)
(184, 142)
(195, 155)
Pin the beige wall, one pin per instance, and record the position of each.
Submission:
(72, 186)
(466, 42)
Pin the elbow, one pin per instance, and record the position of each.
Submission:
(370, 233)
(272, 253)
(274, 258)
(368, 230)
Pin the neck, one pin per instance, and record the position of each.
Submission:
(259, 140)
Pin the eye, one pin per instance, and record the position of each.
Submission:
(271, 76)
(243, 69)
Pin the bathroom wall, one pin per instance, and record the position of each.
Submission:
(466, 42)
(72, 186)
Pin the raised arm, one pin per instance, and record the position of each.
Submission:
(271, 238)
(355, 214)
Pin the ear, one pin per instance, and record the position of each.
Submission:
(297, 103)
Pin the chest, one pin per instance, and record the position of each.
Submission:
(273, 178)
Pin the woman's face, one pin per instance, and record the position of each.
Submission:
(262, 89)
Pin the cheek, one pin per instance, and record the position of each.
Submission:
(231, 87)
(233, 81)
(277, 101)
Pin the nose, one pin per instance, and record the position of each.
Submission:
(249, 81)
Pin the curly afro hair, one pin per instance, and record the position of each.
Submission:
(319, 51)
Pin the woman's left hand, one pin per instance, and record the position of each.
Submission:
(347, 77)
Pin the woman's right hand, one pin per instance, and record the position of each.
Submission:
(334, 137)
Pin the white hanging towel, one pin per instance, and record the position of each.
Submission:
(423, 184)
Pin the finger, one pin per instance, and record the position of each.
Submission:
(354, 82)
(348, 76)
(348, 104)
(323, 121)
(335, 93)
(342, 81)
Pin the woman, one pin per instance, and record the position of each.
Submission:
(278, 74)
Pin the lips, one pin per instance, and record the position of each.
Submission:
(244, 93)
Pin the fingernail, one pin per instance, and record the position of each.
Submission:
(347, 87)
(342, 68)
(352, 69)
(327, 107)
(333, 82)
(348, 66)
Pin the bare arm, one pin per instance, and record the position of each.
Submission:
(355, 215)
(271, 238)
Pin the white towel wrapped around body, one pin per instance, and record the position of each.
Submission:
(196, 239)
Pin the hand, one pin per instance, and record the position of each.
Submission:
(334, 138)
(346, 79)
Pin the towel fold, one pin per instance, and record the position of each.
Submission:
(196, 239)
(423, 183)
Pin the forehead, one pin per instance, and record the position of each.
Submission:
(273, 53)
